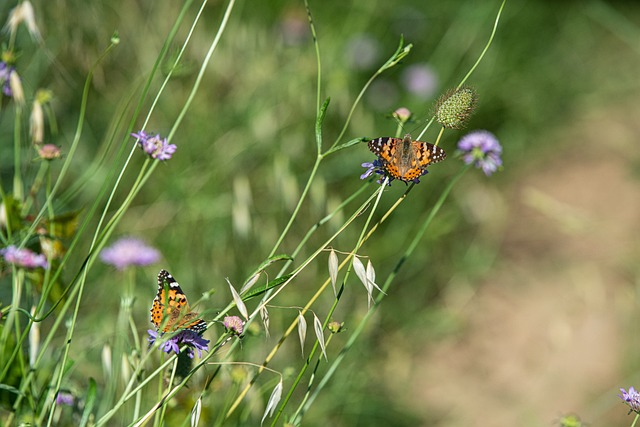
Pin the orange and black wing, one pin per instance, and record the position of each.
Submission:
(170, 310)
(386, 149)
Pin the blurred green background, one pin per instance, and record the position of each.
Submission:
(518, 306)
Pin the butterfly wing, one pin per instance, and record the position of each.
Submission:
(428, 154)
(424, 154)
(384, 147)
(171, 303)
(387, 150)
(404, 159)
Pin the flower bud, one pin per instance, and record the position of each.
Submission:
(335, 327)
(402, 114)
(49, 152)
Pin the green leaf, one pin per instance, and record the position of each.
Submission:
(262, 289)
(266, 263)
(11, 390)
(346, 145)
(89, 402)
(12, 209)
(319, 120)
(397, 56)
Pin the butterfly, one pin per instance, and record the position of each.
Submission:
(405, 159)
(172, 302)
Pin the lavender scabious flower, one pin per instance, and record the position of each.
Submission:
(65, 398)
(233, 324)
(5, 78)
(129, 251)
(191, 339)
(482, 149)
(420, 80)
(156, 147)
(24, 257)
(375, 167)
(631, 398)
(378, 167)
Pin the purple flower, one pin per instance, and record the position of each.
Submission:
(64, 398)
(482, 149)
(420, 80)
(129, 251)
(631, 398)
(5, 77)
(372, 167)
(156, 147)
(362, 51)
(24, 257)
(294, 28)
(378, 167)
(191, 339)
(233, 324)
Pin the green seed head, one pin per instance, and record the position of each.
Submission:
(454, 108)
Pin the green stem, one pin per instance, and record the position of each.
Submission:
(475, 65)
(331, 310)
(316, 45)
(203, 67)
(360, 327)
(18, 191)
(400, 53)
(74, 144)
(294, 215)
(486, 48)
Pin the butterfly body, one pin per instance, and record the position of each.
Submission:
(405, 159)
(170, 310)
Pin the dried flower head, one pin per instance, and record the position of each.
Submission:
(129, 251)
(482, 149)
(454, 108)
(24, 257)
(156, 147)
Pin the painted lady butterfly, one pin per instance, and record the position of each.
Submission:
(180, 316)
(405, 159)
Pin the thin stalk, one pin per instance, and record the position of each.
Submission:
(360, 327)
(475, 65)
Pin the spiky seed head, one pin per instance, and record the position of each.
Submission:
(454, 108)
